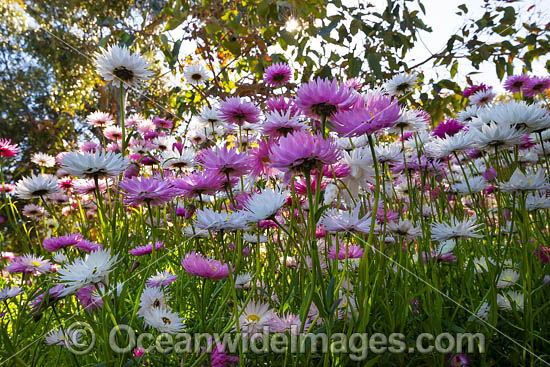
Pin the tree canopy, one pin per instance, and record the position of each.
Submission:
(48, 82)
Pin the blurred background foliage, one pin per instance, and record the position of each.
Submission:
(48, 82)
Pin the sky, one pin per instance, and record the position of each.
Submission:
(441, 16)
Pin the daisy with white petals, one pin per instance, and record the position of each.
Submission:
(119, 65)
(195, 74)
(264, 205)
(401, 84)
(36, 187)
(456, 229)
(94, 268)
(93, 164)
(524, 182)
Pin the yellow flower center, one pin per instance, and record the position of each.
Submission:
(253, 318)
(35, 263)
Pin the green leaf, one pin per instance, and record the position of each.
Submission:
(102, 42)
(374, 63)
(325, 31)
(354, 66)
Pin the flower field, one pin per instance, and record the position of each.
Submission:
(331, 211)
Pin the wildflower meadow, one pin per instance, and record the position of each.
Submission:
(274, 212)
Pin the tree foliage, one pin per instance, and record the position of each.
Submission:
(48, 83)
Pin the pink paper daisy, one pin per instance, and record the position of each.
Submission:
(147, 249)
(195, 264)
(7, 149)
(303, 152)
(535, 85)
(514, 83)
(225, 161)
(235, 110)
(377, 112)
(323, 97)
(277, 74)
(142, 190)
(199, 183)
(56, 243)
(352, 252)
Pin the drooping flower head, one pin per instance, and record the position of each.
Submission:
(514, 83)
(195, 264)
(143, 190)
(277, 74)
(235, 110)
(117, 64)
(323, 97)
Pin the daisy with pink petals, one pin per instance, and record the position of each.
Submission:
(281, 124)
(235, 110)
(535, 85)
(226, 162)
(281, 105)
(29, 264)
(277, 74)
(378, 111)
(162, 123)
(323, 97)
(7, 149)
(161, 279)
(195, 264)
(113, 133)
(56, 243)
(147, 249)
(88, 246)
(514, 83)
(341, 253)
(260, 161)
(290, 322)
(150, 191)
(303, 152)
(199, 183)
